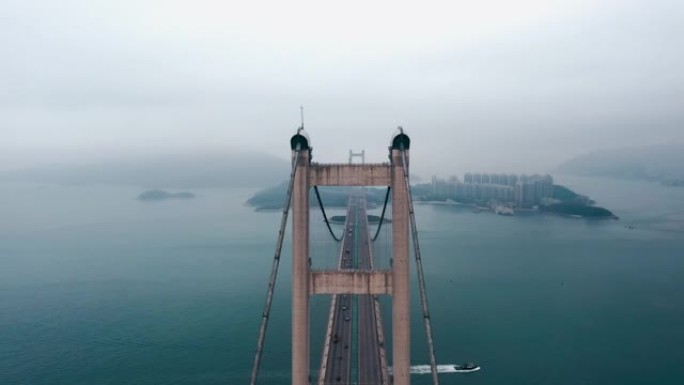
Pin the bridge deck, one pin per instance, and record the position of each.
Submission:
(343, 341)
(369, 354)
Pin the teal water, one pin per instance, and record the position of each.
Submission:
(98, 288)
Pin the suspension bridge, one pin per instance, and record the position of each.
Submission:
(363, 266)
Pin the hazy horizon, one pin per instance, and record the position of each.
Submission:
(529, 278)
(489, 86)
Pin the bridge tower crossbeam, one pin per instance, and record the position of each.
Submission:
(361, 155)
(394, 282)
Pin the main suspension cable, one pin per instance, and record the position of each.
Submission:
(320, 203)
(274, 273)
(382, 216)
(421, 277)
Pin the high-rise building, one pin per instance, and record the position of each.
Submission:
(523, 190)
(477, 178)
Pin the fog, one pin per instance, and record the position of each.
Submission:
(492, 86)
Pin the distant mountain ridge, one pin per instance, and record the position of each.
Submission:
(181, 170)
(657, 163)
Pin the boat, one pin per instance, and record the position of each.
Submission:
(467, 367)
(503, 210)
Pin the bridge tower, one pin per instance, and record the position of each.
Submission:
(394, 282)
(361, 155)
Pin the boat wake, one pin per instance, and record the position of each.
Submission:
(425, 369)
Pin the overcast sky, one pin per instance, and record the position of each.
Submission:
(498, 85)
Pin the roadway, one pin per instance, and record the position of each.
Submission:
(369, 368)
(339, 360)
(355, 254)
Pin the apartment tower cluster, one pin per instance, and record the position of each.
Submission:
(522, 191)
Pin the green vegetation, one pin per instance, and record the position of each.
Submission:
(579, 210)
(271, 198)
(563, 193)
(565, 201)
(566, 195)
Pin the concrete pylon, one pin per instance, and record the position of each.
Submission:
(401, 325)
(305, 283)
(300, 263)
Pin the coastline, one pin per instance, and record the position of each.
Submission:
(447, 202)
(506, 211)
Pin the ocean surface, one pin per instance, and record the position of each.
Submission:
(99, 288)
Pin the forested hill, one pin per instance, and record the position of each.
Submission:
(180, 170)
(659, 163)
(272, 198)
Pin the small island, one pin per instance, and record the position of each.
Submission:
(507, 194)
(160, 195)
(578, 210)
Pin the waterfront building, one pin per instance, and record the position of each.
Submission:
(477, 178)
(524, 191)
(521, 191)
(512, 179)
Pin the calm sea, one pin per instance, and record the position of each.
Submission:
(99, 288)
